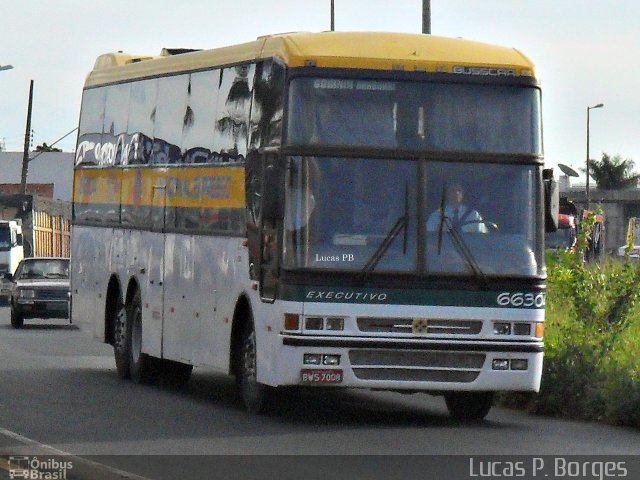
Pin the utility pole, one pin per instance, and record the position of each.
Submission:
(333, 16)
(600, 105)
(426, 16)
(27, 140)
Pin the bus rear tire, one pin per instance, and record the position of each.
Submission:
(255, 396)
(121, 342)
(142, 367)
(469, 406)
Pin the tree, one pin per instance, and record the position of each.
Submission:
(47, 148)
(613, 173)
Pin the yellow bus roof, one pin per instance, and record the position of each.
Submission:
(358, 50)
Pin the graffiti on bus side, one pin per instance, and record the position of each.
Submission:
(139, 149)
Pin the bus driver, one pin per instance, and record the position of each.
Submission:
(462, 217)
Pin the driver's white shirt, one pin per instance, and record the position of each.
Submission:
(470, 220)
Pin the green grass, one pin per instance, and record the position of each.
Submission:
(592, 343)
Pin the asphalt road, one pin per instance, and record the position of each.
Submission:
(59, 394)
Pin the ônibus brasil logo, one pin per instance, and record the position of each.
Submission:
(34, 468)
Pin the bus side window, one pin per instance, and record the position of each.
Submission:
(200, 118)
(169, 119)
(231, 131)
(142, 113)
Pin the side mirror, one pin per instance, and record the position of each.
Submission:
(19, 240)
(273, 194)
(8, 276)
(551, 201)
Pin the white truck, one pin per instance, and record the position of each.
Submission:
(11, 252)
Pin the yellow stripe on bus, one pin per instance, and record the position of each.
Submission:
(200, 187)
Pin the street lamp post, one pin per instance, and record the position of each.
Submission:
(600, 105)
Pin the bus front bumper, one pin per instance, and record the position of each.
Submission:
(409, 364)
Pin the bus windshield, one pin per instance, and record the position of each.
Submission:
(414, 115)
(377, 215)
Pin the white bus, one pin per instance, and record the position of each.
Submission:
(281, 211)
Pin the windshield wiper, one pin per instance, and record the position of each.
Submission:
(401, 224)
(442, 216)
(459, 244)
(384, 246)
(464, 251)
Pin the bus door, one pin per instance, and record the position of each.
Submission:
(264, 199)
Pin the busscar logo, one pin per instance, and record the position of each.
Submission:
(34, 468)
(484, 71)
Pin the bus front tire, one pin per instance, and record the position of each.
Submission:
(468, 406)
(255, 396)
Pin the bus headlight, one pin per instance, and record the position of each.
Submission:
(500, 364)
(335, 323)
(313, 323)
(501, 328)
(331, 360)
(519, 364)
(323, 323)
(522, 329)
(312, 359)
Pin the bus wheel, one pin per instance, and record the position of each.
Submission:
(121, 341)
(141, 366)
(469, 405)
(254, 394)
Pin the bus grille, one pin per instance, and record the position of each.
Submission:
(416, 365)
(433, 326)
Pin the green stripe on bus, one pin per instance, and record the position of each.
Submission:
(388, 296)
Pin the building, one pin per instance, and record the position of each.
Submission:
(617, 206)
(46, 168)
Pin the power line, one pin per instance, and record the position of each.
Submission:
(60, 139)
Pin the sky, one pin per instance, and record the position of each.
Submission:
(586, 52)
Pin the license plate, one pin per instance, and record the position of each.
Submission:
(318, 375)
